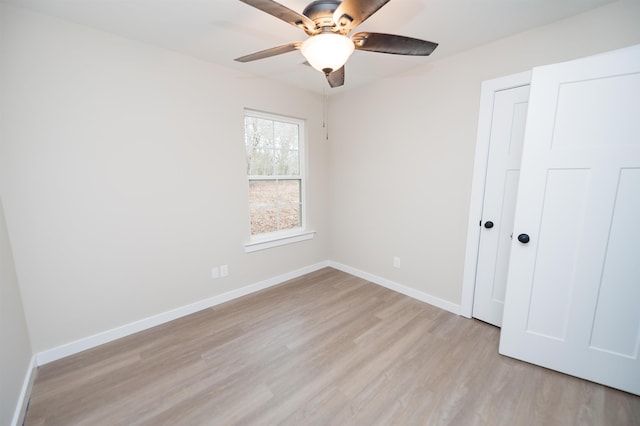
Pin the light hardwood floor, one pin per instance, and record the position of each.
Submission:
(326, 348)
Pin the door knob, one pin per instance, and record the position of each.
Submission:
(488, 224)
(523, 238)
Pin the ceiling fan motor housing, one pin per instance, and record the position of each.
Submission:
(321, 12)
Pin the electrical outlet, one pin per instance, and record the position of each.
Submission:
(396, 262)
(224, 270)
(215, 272)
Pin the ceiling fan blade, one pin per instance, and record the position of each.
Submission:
(336, 78)
(285, 48)
(282, 12)
(395, 44)
(352, 13)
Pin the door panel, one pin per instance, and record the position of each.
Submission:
(617, 307)
(499, 283)
(573, 291)
(564, 202)
(500, 193)
(582, 121)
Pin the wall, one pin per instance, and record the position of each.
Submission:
(15, 350)
(402, 150)
(125, 178)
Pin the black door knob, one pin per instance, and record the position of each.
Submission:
(523, 238)
(488, 224)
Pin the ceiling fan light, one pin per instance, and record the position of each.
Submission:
(327, 51)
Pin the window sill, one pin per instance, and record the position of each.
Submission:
(276, 240)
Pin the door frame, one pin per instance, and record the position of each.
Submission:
(483, 138)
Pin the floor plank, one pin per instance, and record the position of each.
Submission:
(326, 348)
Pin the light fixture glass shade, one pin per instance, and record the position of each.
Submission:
(327, 52)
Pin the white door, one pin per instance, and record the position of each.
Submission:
(573, 293)
(501, 188)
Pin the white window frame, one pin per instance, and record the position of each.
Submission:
(287, 236)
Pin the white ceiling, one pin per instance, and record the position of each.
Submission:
(220, 30)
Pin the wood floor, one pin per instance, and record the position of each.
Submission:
(327, 348)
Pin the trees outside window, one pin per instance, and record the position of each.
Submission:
(274, 147)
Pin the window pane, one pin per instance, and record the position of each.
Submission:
(251, 138)
(287, 163)
(289, 192)
(272, 147)
(293, 163)
(290, 217)
(265, 132)
(260, 162)
(263, 220)
(258, 133)
(262, 193)
(286, 135)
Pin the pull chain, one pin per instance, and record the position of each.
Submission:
(325, 113)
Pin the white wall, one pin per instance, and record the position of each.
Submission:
(15, 350)
(125, 181)
(402, 150)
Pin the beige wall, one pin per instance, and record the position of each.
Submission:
(125, 178)
(402, 150)
(15, 347)
(15, 350)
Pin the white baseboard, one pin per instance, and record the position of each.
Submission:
(25, 393)
(80, 345)
(407, 291)
(89, 342)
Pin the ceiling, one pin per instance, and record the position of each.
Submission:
(220, 30)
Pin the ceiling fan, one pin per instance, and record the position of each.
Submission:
(328, 24)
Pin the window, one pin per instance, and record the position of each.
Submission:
(275, 171)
